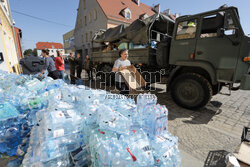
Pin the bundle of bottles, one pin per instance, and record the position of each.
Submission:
(50, 123)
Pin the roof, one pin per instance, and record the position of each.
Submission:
(48, 45)
(114, 11)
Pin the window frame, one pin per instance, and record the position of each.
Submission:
(95, 14)
(86, 37)
(90, 17)
(84, 4)
(187, 20)
(85, 20)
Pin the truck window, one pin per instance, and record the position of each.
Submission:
(211, 24)
(186, 29)
(229, 25)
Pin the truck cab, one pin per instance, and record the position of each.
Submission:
(208, 50)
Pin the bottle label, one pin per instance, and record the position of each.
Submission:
(67, 114)
(58, 133)
(144, 146)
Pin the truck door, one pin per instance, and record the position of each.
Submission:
(184, 40)
(218, 44)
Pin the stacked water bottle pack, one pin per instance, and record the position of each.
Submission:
(79, 126)
(20, 98)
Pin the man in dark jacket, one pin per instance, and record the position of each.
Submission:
(72, 67)
(79, 63)
(88, 67)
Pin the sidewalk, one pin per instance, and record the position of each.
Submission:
(190, 161)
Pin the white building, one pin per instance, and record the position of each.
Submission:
(51, 46)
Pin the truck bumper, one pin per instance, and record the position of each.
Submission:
(245, 82)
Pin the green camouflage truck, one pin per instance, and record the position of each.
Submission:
(200, 53)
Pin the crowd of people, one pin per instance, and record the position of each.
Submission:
(56, 66)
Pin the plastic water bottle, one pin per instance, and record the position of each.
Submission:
(137, 145)
(165, 150)
(112, 120)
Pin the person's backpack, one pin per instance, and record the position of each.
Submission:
(31, 65)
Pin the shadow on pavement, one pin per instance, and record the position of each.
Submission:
(216, 159)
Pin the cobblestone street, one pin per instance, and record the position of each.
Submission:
(217, 127)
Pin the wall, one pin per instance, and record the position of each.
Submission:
(18, 41)
(94, 26)
(67, 38)
(52, 52)
(11, 62)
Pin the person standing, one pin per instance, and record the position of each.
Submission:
(88, 64)
(59, 63)
(72, 67)
(49, 65)
(121, 64)
(79, 64)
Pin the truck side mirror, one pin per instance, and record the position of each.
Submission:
(220, 32)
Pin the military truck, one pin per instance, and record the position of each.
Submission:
(200, 52)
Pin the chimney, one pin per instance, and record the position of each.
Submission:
(137, 2)
(168, 12)
(156, 8)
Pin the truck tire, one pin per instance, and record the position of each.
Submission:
(216, 89)
(191, 91)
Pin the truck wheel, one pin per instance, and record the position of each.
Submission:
(216, 89)
(191, 91)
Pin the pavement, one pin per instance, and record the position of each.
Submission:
(207, 135)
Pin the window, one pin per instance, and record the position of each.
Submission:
(86, 37)
(82, 38)
(90, 35)
(90, 16)
(128, 15)
(85, 20)
(80, 23)
(84, 4)
(186, 29)
(230, 27)
(211, 24)
(95, 14)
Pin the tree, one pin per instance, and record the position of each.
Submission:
(34, 52)
(27, 52)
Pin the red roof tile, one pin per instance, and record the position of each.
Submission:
(113, 8)
(172, 17)
(48, 45)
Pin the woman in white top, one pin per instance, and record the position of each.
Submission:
(121, 64)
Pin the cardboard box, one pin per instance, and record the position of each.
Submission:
(242, 153)
(133, 78)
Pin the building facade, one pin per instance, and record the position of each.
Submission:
(69, 41)
(51, 46)
(18, 35)
(94, 15)
(9, 60)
